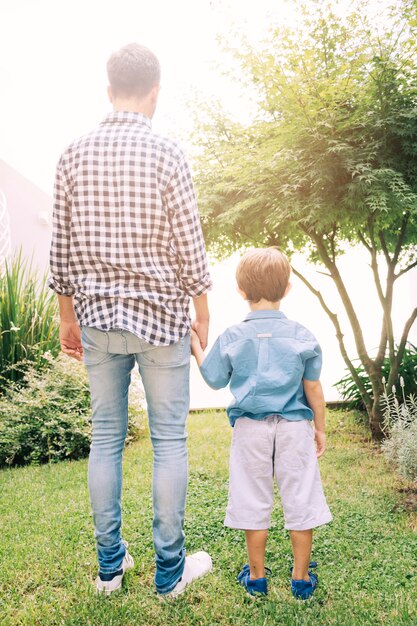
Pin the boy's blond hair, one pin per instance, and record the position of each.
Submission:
(263, 273)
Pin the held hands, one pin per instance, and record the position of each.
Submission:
(195, 343)
(201, 328)
(196, 349)
(70, 337)
(320, 439)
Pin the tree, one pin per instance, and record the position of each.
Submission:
(329, 160)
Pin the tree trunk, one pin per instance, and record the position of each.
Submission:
(375, 414)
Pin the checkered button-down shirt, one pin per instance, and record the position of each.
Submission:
(127, 240)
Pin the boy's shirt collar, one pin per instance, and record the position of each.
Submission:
(264, 314)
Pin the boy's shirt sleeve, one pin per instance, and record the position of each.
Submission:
(216, 368)
(313, 363)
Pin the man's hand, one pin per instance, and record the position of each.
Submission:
(70, 337)
(201, 328)
(195, 343)
(320, 439)
(196, 349)
(202, 317)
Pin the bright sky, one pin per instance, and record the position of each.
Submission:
(53, 88)
(53, 55)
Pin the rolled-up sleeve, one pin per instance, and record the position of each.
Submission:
(216, 368)
(61, 237)
(187, 235)
(313, 363)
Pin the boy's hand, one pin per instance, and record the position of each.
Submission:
(320, 439)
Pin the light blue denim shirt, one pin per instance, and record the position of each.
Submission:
(265, 359)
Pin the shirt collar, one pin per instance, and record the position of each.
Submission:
(264, 315)
(126, 117)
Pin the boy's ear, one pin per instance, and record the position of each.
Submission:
(241, 293)
(289, 286)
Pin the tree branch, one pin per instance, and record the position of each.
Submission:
(395, 364)
(339, 335)
(382, 348)
(405, 270)
(364, 242)
(332, 245)
(385, 299)
(401, 237)
(347, 303)
(384, 247)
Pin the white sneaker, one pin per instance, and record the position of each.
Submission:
(108, 586)
(196, 566)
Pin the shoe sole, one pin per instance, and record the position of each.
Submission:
(107, 592)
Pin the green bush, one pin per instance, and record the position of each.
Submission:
(400, 424)
(47, 417)
(28, 321)
(408, 372)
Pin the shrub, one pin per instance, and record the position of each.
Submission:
(48, 417)
(408, 372)
(400, 425)
(28, 321)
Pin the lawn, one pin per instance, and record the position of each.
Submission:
(367, 556)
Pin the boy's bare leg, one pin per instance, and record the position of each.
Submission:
(256, 544)
(301, 541)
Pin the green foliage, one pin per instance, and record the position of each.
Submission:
(332, 149)
(28, 321)
(400, 446)
(327, 162)
(408, 372)
(47, 417)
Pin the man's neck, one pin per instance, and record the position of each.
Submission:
(133, 106)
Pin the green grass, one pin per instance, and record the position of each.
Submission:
(367, 556)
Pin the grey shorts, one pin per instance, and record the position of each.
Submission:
(262, 449)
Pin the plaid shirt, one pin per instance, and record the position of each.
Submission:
(127, 240)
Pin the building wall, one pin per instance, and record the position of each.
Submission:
(30, 211)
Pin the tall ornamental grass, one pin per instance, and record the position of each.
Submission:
(400, 426)
(28, 321)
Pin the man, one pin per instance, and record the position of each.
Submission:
(127, 254)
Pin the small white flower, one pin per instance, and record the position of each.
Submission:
(383, 380)
(402, 382)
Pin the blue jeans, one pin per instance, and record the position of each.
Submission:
(109, 358)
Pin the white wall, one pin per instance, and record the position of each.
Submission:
(30, 211)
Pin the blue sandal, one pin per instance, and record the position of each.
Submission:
(303, 589)
(257, 586)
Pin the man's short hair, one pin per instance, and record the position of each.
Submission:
(133, 71)
(263, 273)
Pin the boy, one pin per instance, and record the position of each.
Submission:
(273, 366)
